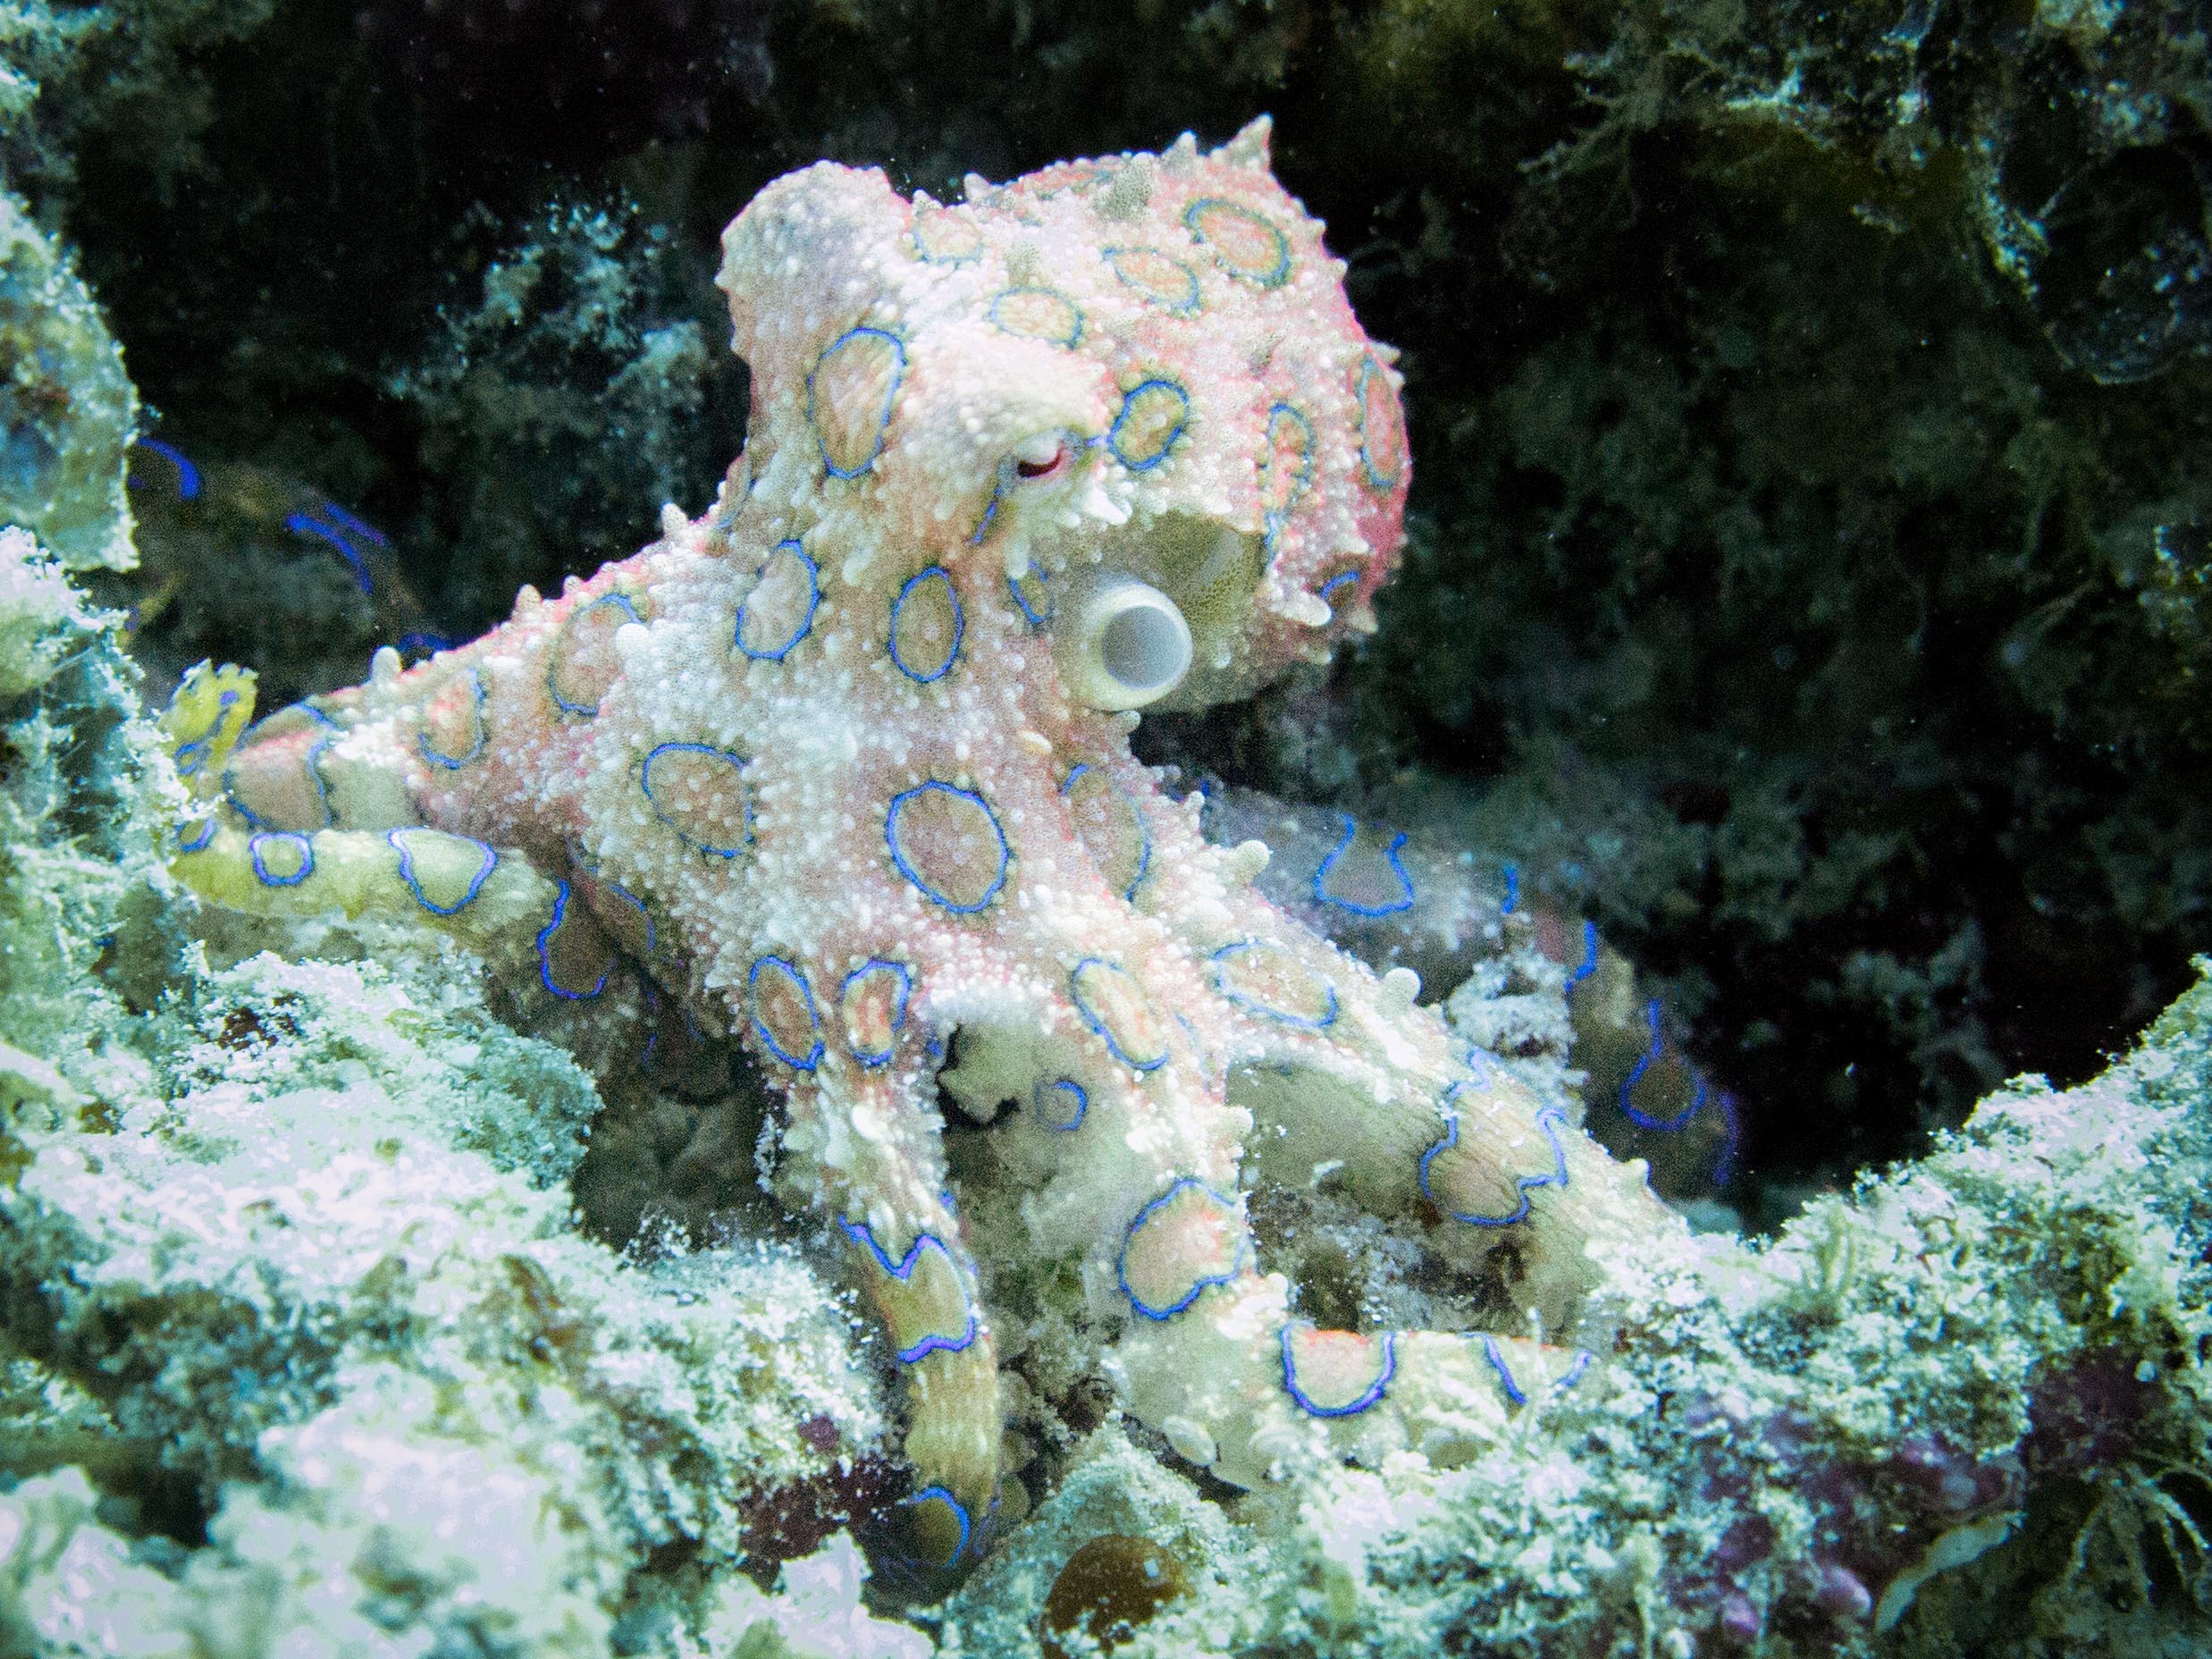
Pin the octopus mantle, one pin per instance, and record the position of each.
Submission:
(844, 765)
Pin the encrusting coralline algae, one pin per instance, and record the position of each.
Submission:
(305, 1348)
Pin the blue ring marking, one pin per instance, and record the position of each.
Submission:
(545, 960)
(1275, 276)
(890, 398)
(879, 964)
(1129, 399)
(552, 665)
(261, 870)
(188, 474)
(789, 544)
(903, 1270)
(406, 871)
(644, 782)
(1527, 1184)
(1144, 834)
(198, 748)
(1575, 1372)
(1066, 1088)
(1584, 969)
(1373, 1390)
(651, 996)
(1034, 616)
(991, 510)
(1512, 890)
(1120, 1262)
(311, 761)
(813, 1056)
(1376, 478)
(960, 1513)
(1302, 483)
(923, 252)
(1334, 583)
(303, 524)
(1644, 1063)
(890, 837)
(591, 868)
(1254, 1005)
(206, 834)
(1074, 337)
(1181, 307)
(1098, 1026)
(1497, 1363)
(1321, 876)
(1367, 465)
(359, 525)
(454, 763)
(960, 625)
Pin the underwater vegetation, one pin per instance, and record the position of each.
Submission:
(292, 1286)
(69, 409)
(1792, 694)
(303, 1352)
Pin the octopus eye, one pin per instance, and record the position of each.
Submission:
(1039, 461)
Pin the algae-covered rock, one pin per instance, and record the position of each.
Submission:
(1961, 1409)
(126, 70)
(34, 606)
(281, 1582)
(85, 941)
(304, 1352)
(67, 410)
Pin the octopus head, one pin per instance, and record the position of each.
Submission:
(1132, 389)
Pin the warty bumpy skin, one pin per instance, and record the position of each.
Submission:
(845, 764)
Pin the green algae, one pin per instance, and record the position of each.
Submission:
(304, 1351)
(67, 410)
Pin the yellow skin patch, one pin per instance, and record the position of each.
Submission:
(357, 874)
(810, 777)
(210, 711)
